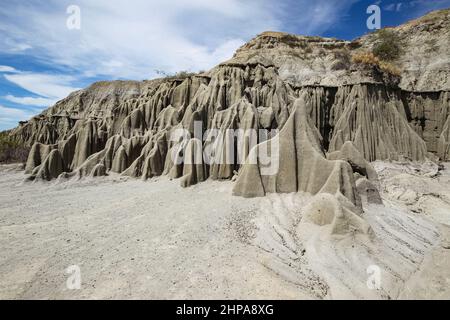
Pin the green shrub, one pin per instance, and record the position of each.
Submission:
(12, 151)
(388, 46)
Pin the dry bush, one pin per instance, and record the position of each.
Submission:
(365, 58)
(11, 151)
(368, 58)
(390, 68)
(290, 40)
(184, 74)
(175, 76)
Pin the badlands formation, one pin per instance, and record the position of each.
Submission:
(360, 186)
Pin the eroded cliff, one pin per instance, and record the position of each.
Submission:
(128, 127)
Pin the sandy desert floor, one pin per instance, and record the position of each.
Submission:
(155, 240)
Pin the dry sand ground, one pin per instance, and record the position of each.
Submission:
(134, 239)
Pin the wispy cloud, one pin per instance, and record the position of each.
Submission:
(132, 39)
(46, 89)
(9, 117)
(416, 8)
(45, 85)
(32, 101)
(394, 7)
(7, 69)
(314, 17)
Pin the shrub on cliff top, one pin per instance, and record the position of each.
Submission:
(369, 58)
(179, 75)
(388, 45)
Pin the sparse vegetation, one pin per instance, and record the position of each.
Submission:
(430, 18)
(370, 58)
(388, 46)
(179, 75)
(292, 40)
(390, 68)
(184, 74)
(365, 58)
(11, 151)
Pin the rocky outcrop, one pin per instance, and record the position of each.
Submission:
(350, 153)
(345, 116)
(374, 119)
(301, 165)
(63, 119)
(366, 178)
(299, 162)
(317, 61)
(51, 168)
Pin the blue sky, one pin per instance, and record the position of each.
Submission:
(41, 60)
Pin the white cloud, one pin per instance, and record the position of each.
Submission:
(394, 7)
(7, 69)
(15, 47)
(47, 88)
(9, 117)
(389, 7)
(44, 85)
(132, 39)
(417, 8)
(32, 101)
(13, 113)
(312, 17)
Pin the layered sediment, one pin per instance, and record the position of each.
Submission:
(308, 88)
